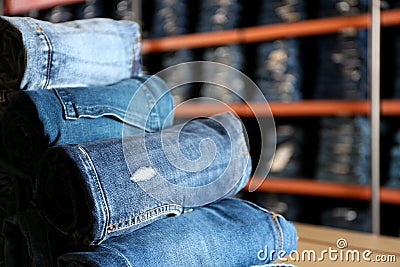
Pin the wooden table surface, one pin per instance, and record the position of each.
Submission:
(325, 246)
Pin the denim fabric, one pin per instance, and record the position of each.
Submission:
(357, 219)
(394, 171)
(42, 55)
(170, 19)
(92, 9)
(330, 8)
(37, 119)
(95, 191)
(232, 56)
(231, 232)
(122, 9)
(30, 241)
(344, 150)
(217, 15)
(178, 75)
(214, 16)
(342, 62)
(278, 72)
(287, 160)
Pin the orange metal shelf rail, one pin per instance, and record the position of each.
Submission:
(301, 186)
(12, 7)
(292, 109)
(267, 32)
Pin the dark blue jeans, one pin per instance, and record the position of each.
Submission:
(344, 150)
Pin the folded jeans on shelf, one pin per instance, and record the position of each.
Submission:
(223, 85)
(107, 188)
(37, 119)
(218, 15)
(42, 55)
(231, 232)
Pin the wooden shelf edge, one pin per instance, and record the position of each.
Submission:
(267, 32)
(13, 7)
(289, 109)
(309, 187)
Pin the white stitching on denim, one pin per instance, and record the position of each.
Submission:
(83, 151)
(49, 55)
(128, 264)
(278, 229)
(145, 216)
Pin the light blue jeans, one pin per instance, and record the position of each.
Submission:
(44, 55)
(107, 188)
(227, 233)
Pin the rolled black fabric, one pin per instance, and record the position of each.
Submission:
(22, 133)
(31, 241)
(12, 56)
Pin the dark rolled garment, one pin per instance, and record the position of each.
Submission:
(37, 119)
(12, 57)
(111, 187)
(31, 242)
(37, 54)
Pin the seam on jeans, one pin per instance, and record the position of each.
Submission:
(274, 217)
(145, 216)
(151, 100)
(136, 55)
(128, 264)
(49, 55)
(99, 188)
(67, 105)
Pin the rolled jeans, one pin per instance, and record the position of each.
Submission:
(37, 119)
(231, 232)
(42, 55)
(111, 187)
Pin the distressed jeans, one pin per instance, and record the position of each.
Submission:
(42, 55)
(94, 191)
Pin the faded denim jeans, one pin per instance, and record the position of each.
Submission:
(37, 119)
(94, 191)
(230, 232)
(42, 55)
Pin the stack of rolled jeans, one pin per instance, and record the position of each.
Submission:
(278, 72)
(342, 62)
(93, 171)
(344, 150)
(218, 15)
(171, 19)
